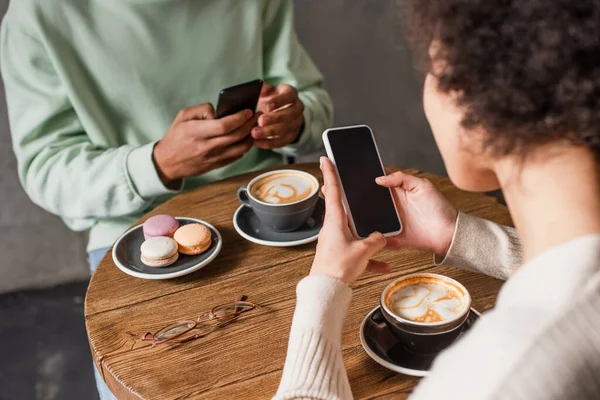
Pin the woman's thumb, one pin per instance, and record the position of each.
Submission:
(375, 242)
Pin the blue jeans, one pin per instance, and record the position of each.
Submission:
(94, 258)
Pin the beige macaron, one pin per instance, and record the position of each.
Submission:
(159, 251)
(193, 239)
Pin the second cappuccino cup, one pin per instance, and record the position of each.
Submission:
(425, 311)
(283, 200)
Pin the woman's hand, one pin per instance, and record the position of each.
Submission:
(339, 254)
(428, 218)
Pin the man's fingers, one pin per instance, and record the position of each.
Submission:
(405, 181)
(378, 267)
(266, 89)
(277, 130)
(226, 125)
(220, 127)
(273, 143)
(236, 150)
(210, 136)
(270, 144)
(234, 136)
(293, 113)
(201, 111)
(225, 162)
(271, 131)
(229, 123)
(334, 209)
(282, 98)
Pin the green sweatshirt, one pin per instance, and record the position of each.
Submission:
(92, 85)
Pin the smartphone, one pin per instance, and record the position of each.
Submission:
(370, 207)
(239, 97)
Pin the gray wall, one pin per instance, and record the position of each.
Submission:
(359, 47)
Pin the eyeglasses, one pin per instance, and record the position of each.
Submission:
(223, 314)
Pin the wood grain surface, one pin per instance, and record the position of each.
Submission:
(245, 358)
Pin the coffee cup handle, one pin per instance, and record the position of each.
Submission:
(243, 196)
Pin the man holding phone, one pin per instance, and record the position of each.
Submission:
(103, 102)
(197, 143)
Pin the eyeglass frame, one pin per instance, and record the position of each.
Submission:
(212, 315)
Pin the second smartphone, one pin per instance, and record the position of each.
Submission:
(370, 207)
(239, 97)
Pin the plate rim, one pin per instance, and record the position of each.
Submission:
(393, 367)
(267, 242)
(171, 275)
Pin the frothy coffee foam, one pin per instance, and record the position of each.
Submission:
(426, 299)
(282, 188)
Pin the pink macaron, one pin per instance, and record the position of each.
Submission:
(160, 225)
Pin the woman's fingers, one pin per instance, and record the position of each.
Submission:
(393, 243)
(378, 267)
(405, 181)
(334, 210)
(375, 242)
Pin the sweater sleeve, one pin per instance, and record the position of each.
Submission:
(482, 246)
(286, 61)
(61, 170)
(539, 342)
(314, 368)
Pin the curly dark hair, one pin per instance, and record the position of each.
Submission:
(525, 71)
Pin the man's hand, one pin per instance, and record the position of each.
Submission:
(197, 143)
(282, 118)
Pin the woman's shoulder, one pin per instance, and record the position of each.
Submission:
(556, 278)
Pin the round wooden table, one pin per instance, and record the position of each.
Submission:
(244, 359)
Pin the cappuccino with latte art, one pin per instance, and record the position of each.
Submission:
(427, 299)
(283, 188)
(283, 200)
(425, 311)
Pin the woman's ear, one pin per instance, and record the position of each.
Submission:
(467, 161)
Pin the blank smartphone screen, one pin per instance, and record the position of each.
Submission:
(358, 164)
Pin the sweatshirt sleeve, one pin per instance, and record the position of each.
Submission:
(286, 61)
(482, 246)
(61, 170)
(314, 368)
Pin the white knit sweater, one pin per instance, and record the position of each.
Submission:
(541, 341)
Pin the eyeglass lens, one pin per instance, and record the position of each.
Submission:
(174, 331)
(228, 310)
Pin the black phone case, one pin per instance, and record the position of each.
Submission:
(240, 97)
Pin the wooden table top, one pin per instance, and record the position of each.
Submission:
(245, 359)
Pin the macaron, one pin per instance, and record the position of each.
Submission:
(159, 251)
(160, 225)
(193, 239)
